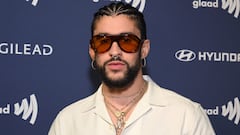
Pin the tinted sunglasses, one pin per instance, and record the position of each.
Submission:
(127, 42)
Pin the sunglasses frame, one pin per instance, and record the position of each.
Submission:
(117, 38)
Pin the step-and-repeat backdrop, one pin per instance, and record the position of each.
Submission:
(44, 61)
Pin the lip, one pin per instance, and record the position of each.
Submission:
(115, 65)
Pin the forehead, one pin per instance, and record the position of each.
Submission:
(114, 25)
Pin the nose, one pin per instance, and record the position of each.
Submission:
(115, 50)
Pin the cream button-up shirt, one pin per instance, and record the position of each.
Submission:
(159, 112)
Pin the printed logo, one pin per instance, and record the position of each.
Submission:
(140, 4)
(232, 6)
(25, 49)
(231, 110)
(186, 55)
(28, 110)
(34, 2)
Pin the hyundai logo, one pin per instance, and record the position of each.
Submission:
(185, 55)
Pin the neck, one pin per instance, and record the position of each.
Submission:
(122, 96)
(121, 105)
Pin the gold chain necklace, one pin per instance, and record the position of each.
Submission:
(121, 113)
(128, 96)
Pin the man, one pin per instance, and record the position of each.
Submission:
(127, 103)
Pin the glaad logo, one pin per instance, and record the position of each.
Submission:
(233, 6)
(135, 3)
(188, 55)
(200, 3)
(34, 2)
(185, 55)
(26, 109)
(231, 110)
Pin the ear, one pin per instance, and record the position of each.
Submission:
(145, 48)
(91, 53)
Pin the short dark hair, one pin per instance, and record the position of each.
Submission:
(114, 9)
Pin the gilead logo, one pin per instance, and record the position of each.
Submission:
(25, 49)
(28, 110)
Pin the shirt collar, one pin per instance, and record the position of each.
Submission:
(154, 95)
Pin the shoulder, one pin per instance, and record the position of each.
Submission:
(176, 104)
(164, 97)
(79, 107)
(190, 114)
(76, 112)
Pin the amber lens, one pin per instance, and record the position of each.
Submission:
(127, 42)
(101, 44)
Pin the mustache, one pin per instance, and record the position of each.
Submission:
(115, 58)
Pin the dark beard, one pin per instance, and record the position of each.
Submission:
(130, 75)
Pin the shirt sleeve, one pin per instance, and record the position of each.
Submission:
(200, 123)
(55, 127)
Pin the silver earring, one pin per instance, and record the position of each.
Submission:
(93, 65)
(144, 62)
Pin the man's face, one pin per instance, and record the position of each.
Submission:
(117, 73)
